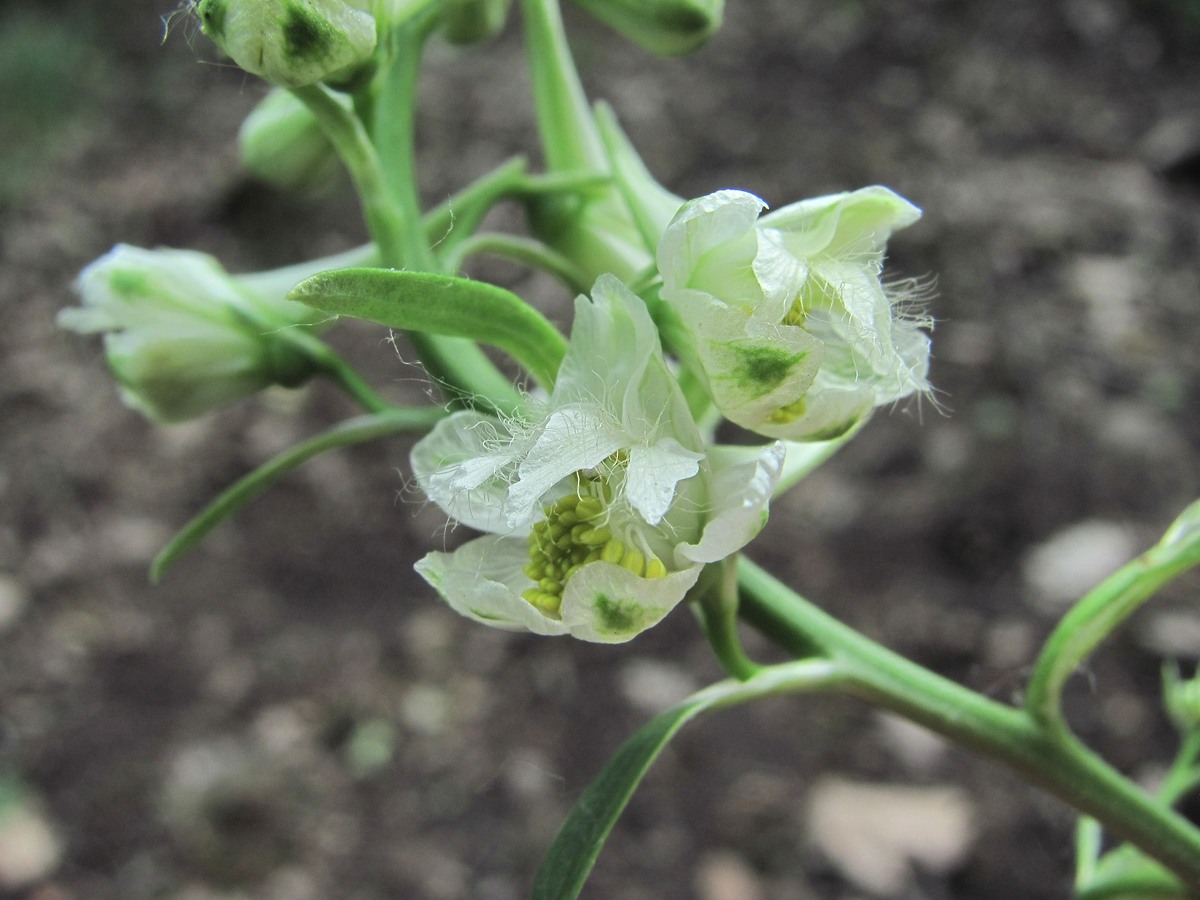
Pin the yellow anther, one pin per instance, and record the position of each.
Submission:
(634, 561)
(593, 537)
(550, 586)
(613, 552)
(655, 568)
(589, 507)
(547, 603)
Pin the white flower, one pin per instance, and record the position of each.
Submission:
(181, 334)
(789, 321)
(603, 505)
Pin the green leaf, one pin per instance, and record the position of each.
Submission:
(570, 858)
(1105, 607)
(445, 305)
(246, 488)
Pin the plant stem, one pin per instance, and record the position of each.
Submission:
(1103, 608)
(1056, 762)
(568, 132)
(529, 251)
(354, 146)
(395, 116)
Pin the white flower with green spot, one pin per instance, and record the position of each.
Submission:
(604, 504)
(786, 315)
(182, 335)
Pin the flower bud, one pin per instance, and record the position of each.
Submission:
(665, 27)
(283, 145)
(182, 335)
(291, 43)
(472, 21)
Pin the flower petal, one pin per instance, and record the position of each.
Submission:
(609, 604)
(573, 439)
(461, 466)
(652, 474)
(711, 243)
(846, 224)
(482, 580)
(742, 482)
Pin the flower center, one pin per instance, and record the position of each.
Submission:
(574, 533)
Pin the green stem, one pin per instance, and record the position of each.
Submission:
(529, 251)
(715, 600)
(568, 132)
(456, 219)
(1094, 617)
(395, 132)
(353, 431)
(353, 145)
(1183, 775)
(1056, 762)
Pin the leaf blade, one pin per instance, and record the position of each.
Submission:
(569, 861)
(441, 304)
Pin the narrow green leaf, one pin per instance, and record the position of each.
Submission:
(1105, 607)
(352, 431)
(568, 862)
(445, 305)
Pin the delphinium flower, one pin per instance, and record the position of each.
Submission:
(603, 503)
(183, 336)
(786, 316)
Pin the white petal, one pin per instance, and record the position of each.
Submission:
(609, 604)
(700, 226)
(612, 340)
(482, 580)
(652, 474)
(838, 225)
(461, 466)
(754, 368)
(743, 479)
(573, 439)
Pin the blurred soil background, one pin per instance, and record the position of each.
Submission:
(292, 715)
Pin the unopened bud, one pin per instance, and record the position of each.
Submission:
(182, 335)
(283, 145)
(291, 43)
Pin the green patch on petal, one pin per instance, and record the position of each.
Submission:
(764, 366)
(129, 283)
(618, 616)
(306, 36)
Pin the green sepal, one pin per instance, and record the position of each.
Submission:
(445, 305)
(248, 487)
(567, 863)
